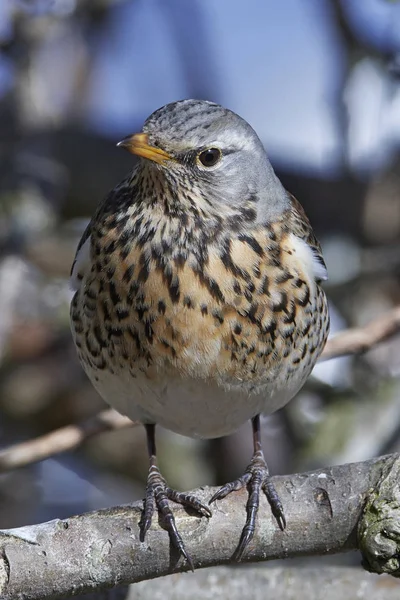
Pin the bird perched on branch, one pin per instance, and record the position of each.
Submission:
(197, 300)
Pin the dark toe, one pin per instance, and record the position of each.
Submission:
(157, 496)
(257, 479)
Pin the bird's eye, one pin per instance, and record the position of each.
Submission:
(210, 157)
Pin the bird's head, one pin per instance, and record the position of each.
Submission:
(212, 152)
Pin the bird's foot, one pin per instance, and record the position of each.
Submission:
(157, 496)
(256, 478)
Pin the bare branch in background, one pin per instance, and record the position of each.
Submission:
(60, 440)
(360, 339)
(324, 509)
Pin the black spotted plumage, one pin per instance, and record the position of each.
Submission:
(198, 302)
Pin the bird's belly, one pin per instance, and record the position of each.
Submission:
(191, 407)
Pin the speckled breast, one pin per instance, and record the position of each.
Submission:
(249, 321)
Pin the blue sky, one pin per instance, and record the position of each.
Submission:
(279, 63)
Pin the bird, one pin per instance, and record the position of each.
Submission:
(198, 303)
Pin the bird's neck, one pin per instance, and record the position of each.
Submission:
(177, 206)
(155, 208)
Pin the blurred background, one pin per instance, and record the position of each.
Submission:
(320, 83)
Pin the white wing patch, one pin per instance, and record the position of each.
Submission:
(312, 263)
(81, 264)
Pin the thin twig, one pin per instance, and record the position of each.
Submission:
(360, 339)
(60, 440)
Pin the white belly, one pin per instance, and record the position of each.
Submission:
(190, 407)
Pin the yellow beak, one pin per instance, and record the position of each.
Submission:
(138, 144)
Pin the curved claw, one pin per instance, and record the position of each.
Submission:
(148, 511)
(157, 496)
(247, 532)
(275, 503)
(174, 534)
(144, 526)
(189, 501)
(256, 478)
(281, 521)
(233, 486)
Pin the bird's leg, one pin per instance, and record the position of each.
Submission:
(157, 496)
(256, 478)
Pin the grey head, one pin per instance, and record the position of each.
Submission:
(219, 152)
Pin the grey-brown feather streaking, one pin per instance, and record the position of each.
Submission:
(198, 303)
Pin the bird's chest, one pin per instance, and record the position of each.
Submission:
(200, 348)
(243, 316)
(194, 373)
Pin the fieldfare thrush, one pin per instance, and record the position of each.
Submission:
(197, 300)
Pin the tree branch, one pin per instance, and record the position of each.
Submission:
(60, 440)
(101, 549)
(360, 339)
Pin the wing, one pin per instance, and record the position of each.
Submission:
(120, 195)
(303, 231)
(82, 259)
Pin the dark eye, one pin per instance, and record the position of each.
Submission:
(210, 157)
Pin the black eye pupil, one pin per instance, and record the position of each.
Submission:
(210, 157)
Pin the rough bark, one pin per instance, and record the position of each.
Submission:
(379, 528)
(93, 551)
